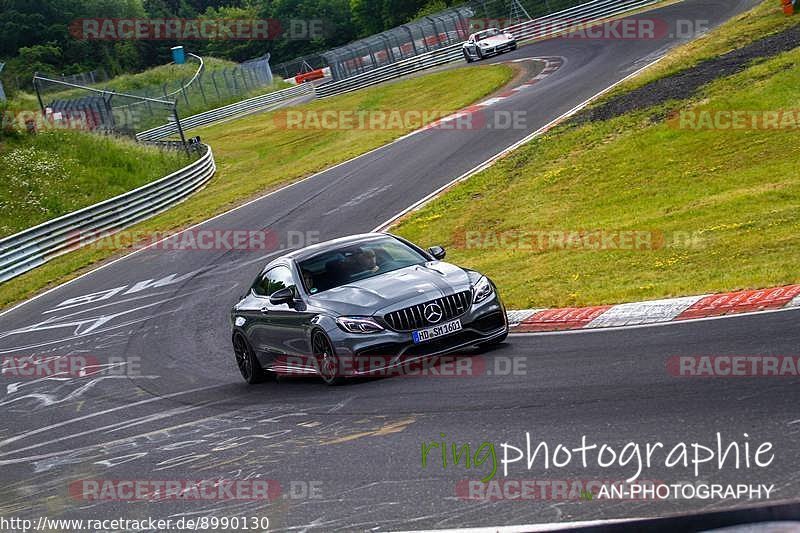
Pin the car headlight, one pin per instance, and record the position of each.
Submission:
(482, 290)
(358, 324)
(483, 45)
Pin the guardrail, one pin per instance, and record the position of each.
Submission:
(575, 18)
(237, 109)
(541, 27)
(28, 249)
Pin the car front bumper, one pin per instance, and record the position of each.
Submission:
(500, 48)
(363, 355)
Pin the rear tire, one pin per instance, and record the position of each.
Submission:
(246, 360)
(327, 362)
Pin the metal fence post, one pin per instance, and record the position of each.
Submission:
(38, 92)
(180, 128)
(200, 86)
(147, 103)
(214, 81)
(227, 82)
(235, 85)
(183, 90)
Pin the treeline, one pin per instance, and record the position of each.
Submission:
(43, 35)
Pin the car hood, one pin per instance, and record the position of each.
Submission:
(494, 41)
(394, 290)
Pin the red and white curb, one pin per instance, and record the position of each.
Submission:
(655, 311)
(552, 64)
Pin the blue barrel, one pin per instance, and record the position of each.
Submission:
(178, 55)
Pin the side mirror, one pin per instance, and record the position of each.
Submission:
(282, 296)
(437, 251)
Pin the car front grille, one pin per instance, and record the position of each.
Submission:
(413, 317)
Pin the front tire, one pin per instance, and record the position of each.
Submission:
(467, 57)
(327, 360)
(479, 53)
(246, 360)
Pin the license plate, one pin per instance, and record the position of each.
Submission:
(441, 330)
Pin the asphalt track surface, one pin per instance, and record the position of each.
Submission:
(179, 409)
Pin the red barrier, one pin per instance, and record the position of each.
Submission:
(308, 76)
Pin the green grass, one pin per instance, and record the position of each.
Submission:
(725, 201)
(764, 19)
(53, 173)
(254, 156)
(255, 148)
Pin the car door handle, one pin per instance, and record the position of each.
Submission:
(264, 310)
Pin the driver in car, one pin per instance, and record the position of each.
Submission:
(363, 260)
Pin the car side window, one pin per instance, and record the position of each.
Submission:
(261, 285)
(273, 280)
(279, 278)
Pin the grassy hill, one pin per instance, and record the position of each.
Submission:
(50, 174)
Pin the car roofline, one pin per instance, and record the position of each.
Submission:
(314, 249)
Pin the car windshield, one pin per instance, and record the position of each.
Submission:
(486, 34)
(356, 262)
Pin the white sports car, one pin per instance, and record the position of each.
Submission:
(486, 43)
